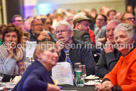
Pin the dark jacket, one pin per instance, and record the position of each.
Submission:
(106, 62)
(33, 38)
(79, 52)
(82, 36)
(35, 78)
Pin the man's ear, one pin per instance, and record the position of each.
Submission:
(71, 35)
(77, 25)
(38, 55)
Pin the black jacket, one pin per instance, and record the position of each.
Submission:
(80, 53)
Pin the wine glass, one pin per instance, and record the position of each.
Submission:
(1, 76)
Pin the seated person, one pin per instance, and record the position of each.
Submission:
(109, 55)
(37, 32)
(36, 77)
(78, 51)
(123, 75)
(10, 54)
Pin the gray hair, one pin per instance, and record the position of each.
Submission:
(64, 23)
(113, 21)
(126, 28)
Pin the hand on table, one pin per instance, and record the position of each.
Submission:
(105, 86)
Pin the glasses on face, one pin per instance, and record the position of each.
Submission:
(19, 20)
(100, 19)
(129, 19)
(62, 31)
(38, 24)
(48, 23)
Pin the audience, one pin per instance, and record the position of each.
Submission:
(88, 37)
(129, 18)
(78, 51)
(110, 15)
(100, 30)
(18, 21)
(110, 54)
(123, 75)
(36, 77)
(10, 54)
(81, 28)
(37, 33)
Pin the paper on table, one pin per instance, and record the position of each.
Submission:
(62, 73)
(30, 47)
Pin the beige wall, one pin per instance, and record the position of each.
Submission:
(118, 5)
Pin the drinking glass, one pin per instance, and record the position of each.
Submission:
(83, 70)
(1, 76)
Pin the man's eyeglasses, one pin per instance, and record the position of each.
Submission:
(19, 20)
(62, 31)
(100, 19)
(38, 24)
(48, 23)
(129, 19)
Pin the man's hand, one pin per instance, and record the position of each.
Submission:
(60, 44)
(109, 47)
(43, 35)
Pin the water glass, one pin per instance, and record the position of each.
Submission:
(1, 76)
(83, 68)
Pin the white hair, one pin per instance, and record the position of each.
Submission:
(113, 21)
(126, 28)
(64, 23)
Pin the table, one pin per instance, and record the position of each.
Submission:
(74, 88)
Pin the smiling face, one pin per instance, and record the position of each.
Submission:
(50, 56)
(123, 41)
(110, 31)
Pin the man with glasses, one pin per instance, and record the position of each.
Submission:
(128, 18)
(37, 33)
(100, 30)
(78, 50)
(18, 21)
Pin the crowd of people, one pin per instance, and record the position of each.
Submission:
(104, 42)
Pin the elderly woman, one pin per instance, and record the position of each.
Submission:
(10, 55)
(36, 77)
(123, 75)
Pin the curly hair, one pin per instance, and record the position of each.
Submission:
(12, 28)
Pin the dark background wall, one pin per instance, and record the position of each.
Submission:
(14, 7)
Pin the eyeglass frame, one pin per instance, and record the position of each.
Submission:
(62, 31)
(130, 18)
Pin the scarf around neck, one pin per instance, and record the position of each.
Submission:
(18, 56)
